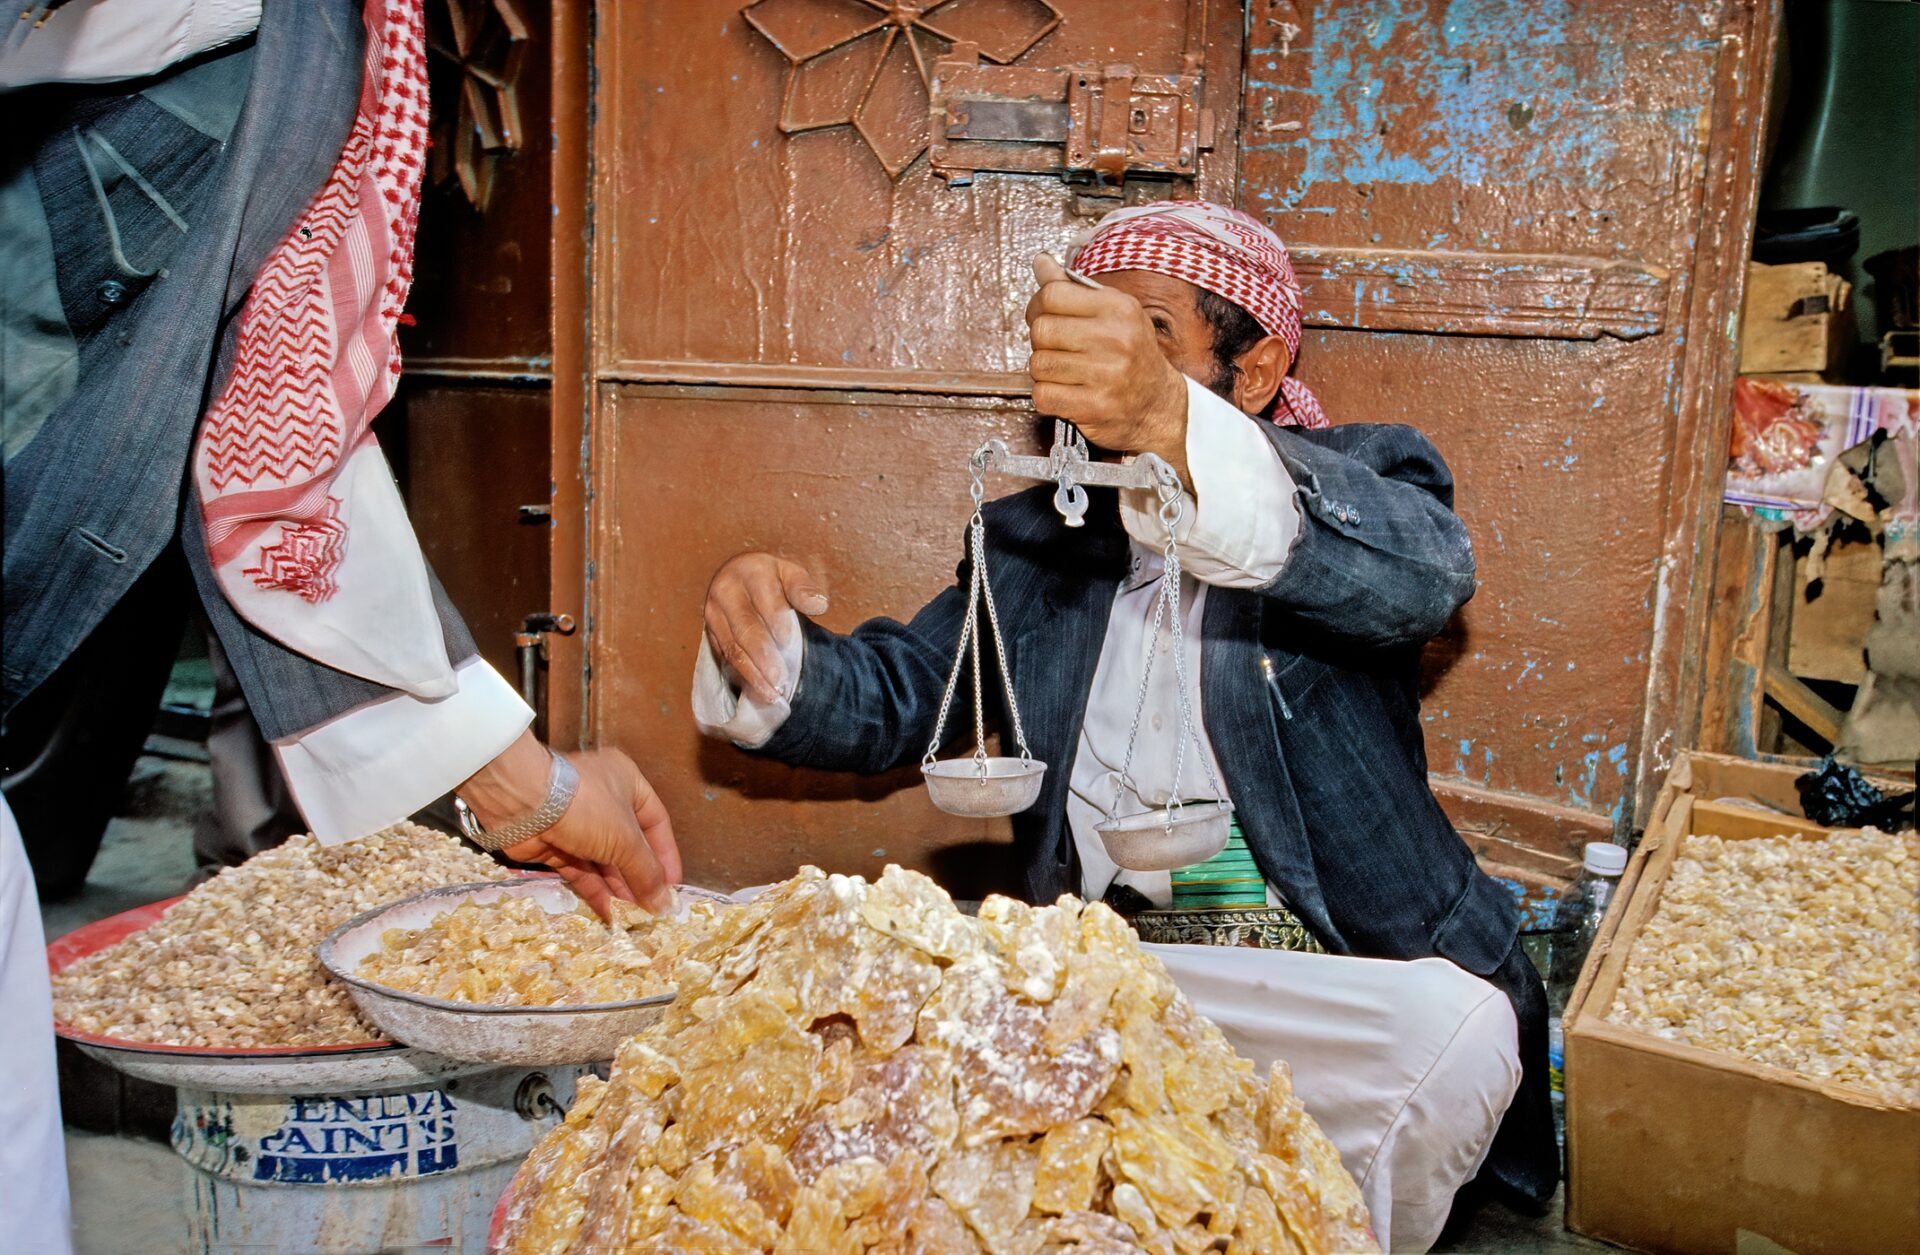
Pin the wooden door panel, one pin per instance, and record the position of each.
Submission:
(745, 281)
(870, 494)
(1537, 688)
(1541, 183)
(480, 299)
(1570, 128)
(473, 455)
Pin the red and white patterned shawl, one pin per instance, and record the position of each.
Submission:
(315, 360)
(1223, 251)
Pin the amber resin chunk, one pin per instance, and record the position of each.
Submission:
(861, 1068)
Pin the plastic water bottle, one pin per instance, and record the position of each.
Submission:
(1579, 916)
(1575, 925)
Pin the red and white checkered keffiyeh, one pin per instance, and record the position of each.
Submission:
(286, 461)
(1227, 253)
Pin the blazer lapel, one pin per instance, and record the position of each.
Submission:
(1242, 727)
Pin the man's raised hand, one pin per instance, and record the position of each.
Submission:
(1097, 362)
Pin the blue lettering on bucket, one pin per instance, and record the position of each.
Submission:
(371, 1138)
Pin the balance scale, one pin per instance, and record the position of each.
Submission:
(1161, 838)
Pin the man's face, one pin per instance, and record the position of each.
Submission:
(1185, 337)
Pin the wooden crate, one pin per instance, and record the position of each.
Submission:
(1798, 317)
(1671, 1148)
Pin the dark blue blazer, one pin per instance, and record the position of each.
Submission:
(1329, 775)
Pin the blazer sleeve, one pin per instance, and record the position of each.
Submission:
(1380, 557)
(867, 701)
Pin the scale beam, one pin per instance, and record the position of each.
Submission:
(1070, 465)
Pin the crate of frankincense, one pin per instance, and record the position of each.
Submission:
(1743, 1048)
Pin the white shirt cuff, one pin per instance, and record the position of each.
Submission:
(103, 41)
(723, 711)
(1240, 533)
(379, 763)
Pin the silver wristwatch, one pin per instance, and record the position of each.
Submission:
(562, 782)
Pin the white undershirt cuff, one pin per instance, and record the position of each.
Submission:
(1239, 534)
(379, 763)
(723, 709)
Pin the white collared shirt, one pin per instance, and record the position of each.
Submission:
(380, 762)
(1238, 536)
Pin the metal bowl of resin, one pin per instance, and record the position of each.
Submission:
(526, 1036)
(1000, 786)
(1162, 840)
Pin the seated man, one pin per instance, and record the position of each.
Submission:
(1315, 563)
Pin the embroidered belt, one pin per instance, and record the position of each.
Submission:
(1260, 927)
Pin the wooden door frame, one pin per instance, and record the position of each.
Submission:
(569, 657)
(1677, 677)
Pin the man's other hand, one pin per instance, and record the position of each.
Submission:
(747, 620)
(1097, 362)
(614, 840)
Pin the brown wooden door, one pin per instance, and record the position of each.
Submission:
(1520, 228)
(794, 349)
(1514, 221)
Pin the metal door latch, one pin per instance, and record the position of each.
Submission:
(1088, 125)
(530, 651)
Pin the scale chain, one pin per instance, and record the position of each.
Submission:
(979, 588)
(953, 682)
(1190, 732)
(999, 641)
(1166, 605)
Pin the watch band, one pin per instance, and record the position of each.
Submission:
(563, 781)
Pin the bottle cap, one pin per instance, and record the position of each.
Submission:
(1603, 858)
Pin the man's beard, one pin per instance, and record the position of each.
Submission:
(1223, 380)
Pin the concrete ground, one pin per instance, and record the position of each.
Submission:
(130, 1195)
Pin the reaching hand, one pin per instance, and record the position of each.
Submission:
(614, 840)
(747, 620)
(1098, 364)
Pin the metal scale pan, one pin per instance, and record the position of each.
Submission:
(526, 1036)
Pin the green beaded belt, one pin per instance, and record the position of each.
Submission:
(1223, 902)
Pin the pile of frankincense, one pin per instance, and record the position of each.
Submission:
(1798, 952)
(855, 1067)
(233, 964)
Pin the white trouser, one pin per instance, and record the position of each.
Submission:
(1407, 1066)
(33, 1154)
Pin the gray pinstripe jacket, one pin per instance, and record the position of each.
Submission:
(117, 326)
(1330, 785)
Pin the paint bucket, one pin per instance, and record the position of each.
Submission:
(378, 1170)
